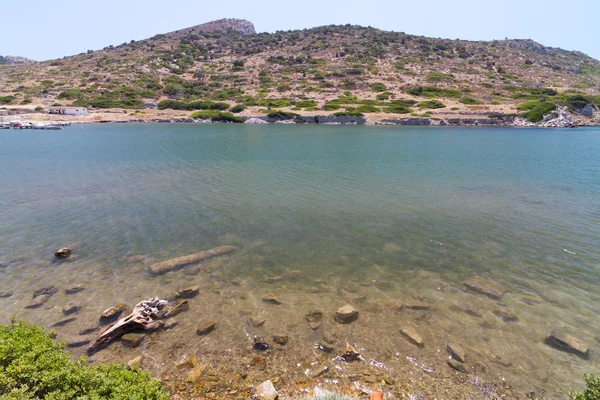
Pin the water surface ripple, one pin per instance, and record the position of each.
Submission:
(366, 215)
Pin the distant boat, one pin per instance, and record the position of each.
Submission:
(52, 127)
(4, 126)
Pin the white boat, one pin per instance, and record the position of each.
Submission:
(4, 126)
(52, 127)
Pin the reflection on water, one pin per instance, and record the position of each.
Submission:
(322, 216)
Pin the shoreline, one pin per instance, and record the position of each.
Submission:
(510, 122)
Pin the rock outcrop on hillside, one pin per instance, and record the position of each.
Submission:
(239, 25)
(15, 60)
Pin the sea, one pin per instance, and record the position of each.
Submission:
(390, 220)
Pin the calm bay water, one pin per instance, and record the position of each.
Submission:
(323, 216)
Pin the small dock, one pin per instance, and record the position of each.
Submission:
(18, 125)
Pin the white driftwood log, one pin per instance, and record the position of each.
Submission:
(142, 317)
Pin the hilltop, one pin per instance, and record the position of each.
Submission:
(350, 69)
(15, 60)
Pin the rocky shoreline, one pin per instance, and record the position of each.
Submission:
(560, 118)
(333, 361)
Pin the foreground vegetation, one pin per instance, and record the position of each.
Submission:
(32, 366)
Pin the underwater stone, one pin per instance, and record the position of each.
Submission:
(346, 314)
(206, 328)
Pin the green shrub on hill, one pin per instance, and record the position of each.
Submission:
(438, 77)
(384, 96)
(32, 366)
(397, 109)
(7, 99)
(378, 87)
(306, 104)
(432, 104)
(348, 114)
(270, 103)
(71, 94)
(433, 91)
(331, 106)
(237, 108)
(367, 108)
(217, 116)
(539, 111)
(121, 97)
(194, 105)
(281, 115)
(469, 100)
(528, 106)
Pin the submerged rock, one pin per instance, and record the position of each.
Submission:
(506, 315)
(456, 351)
(187, 293)
(65, 252)
(565, 342)
(259, 362)
(45, 291)
(485, 286)
(412, 335)
(181, 306)
(135, 363)
(281, 339)
(417, 305)
(132, 339)
(271, 299)
(325, 347)
(257, 321)
(467, 309)
(346, 314)
(320, 370)
(314, 316)
(260, 343)
(113, 312)
(266, 391)
(75, 289)
(64, 322)
(70, 309)
(458, 366)
(273, 279)
(329, 337)
(4, 294)
(38, 301)
(206, 328)
(87, 331)
(173, 264)
(73, 342)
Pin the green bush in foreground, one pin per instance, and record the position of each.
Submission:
(32, 366)
(592, 392)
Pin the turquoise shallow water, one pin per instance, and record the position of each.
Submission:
(379, 212)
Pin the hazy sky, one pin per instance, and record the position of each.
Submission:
(47, 29)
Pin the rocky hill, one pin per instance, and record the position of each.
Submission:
(237, 25)
(15, 60)
(331, 69)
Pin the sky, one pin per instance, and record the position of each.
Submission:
(43, 29)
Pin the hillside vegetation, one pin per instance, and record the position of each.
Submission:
(225, 65)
